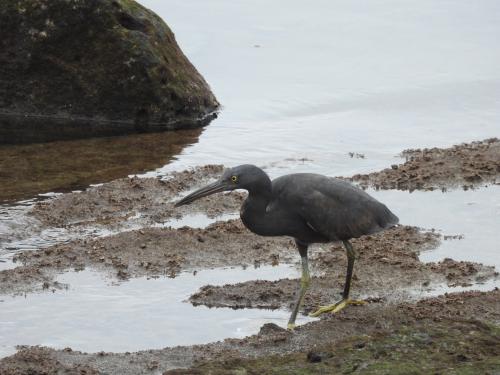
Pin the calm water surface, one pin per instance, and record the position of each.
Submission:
(301, 86)
(318, 81)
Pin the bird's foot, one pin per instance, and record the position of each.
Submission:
(291, 326)
(336, 307)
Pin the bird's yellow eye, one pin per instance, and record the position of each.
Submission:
(234, 179)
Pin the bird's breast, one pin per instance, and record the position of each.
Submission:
(249, 221)
(257, 221)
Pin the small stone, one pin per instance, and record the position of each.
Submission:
(314, 357)
(270, 328)
(122, 274)
(359, 345)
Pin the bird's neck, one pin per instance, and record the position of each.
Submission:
(257, 202)
(253, 212)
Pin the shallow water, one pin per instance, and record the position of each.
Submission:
(196, 220)
(474, 214)
(22, 232)
(301, 87)
(338, 77)
(93, 315)
(61, 166)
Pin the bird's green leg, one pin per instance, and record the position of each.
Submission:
(336, 307)
(304, 284)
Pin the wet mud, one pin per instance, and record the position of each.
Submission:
(451, 346)
(152, 198)
(387, 266)
(148, 252)
(387, 269)
(40, 361)
(466, 165)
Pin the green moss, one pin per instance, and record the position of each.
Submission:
(447, 347)
(99, 59)
(131, 6)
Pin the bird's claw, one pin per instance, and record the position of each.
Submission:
(336, 307)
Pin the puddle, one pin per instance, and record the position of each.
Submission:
(6, 263)
(95, 314)
(437, 290)
(197, 220)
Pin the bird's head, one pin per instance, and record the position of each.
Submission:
(241, 177)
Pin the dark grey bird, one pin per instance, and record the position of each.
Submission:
(311, 208)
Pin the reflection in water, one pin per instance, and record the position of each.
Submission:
(15, 129)
(26, 170)
(25, 129)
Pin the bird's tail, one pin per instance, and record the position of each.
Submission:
(387, 219)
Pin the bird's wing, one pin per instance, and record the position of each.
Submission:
(334, 208)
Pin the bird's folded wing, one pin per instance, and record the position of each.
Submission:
(339, 210)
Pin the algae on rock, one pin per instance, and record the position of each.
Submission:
(97, 61)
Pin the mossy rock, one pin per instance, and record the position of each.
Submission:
(110, 61)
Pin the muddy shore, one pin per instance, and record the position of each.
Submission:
(386, 262)
(466, 165)
(151, 198)
(461, 327)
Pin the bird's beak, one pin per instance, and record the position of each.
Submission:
(213, 188)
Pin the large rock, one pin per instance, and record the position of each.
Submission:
(108, 62)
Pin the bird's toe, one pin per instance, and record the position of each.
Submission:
(336, 307)
(322, 310)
